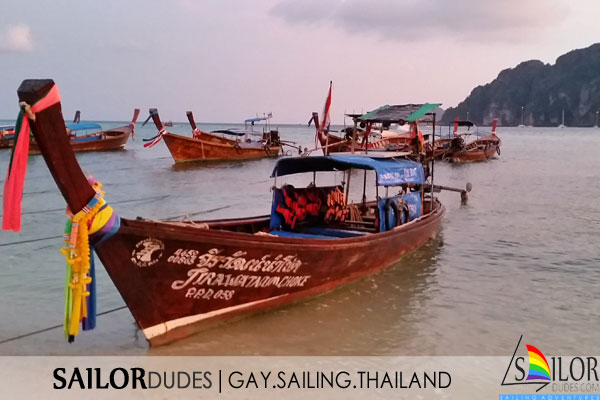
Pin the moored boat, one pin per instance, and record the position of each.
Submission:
(7, 134)
(370, 129)
(177, 276)
(215, 146)
(96, 140)
(442, 146)
(481, 149)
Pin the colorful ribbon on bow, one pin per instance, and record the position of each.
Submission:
(155, 139)
(80, 279)
(17, 169)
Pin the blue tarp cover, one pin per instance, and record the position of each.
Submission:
(83, 126)
(412, 200)
(6, 127)
(390, 171)
(87, 138)
(300, 235)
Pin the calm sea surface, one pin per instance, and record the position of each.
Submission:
(521, 258)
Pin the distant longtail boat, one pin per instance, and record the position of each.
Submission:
(215, 146)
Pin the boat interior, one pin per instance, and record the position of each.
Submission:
(323, 212)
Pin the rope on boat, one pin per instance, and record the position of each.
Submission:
(307, 152)
(12, 339)
(30, 240)
(115, 202)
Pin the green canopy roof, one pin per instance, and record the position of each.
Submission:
(399, 113)
(424, 110)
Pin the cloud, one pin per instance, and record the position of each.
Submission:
(16, 39)
(410, 20)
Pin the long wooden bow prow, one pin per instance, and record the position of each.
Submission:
(50, 135)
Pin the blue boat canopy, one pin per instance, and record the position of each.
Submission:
(389, 171)
(83, 126)
(258, 119)
(6, 127)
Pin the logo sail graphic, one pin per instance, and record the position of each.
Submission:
(538, 365)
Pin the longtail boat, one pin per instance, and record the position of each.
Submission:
(356, 139)
(98, 140)
(215, 146)
(372, 128)
(481, 149)
(7, 134)
(443, 144)
(177, 276)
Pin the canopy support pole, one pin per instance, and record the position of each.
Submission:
(364, 196)
(354, 134)
(348, 187)
(366, 136)
(432, 160)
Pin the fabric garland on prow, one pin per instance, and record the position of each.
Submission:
(93, 224)
(17, 169)
(152, 141)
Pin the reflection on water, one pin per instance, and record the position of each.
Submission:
(519, 258)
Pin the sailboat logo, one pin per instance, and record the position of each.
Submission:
(538, 365)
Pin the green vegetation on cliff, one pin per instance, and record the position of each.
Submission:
(542, 90)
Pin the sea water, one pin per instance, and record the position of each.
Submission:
(521, 258)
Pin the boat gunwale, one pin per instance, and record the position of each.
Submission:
(243, 145)
(197, 233)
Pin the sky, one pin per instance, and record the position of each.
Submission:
(228, 60)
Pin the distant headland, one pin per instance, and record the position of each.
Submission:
(537, 94)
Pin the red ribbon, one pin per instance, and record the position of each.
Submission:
(15, 177)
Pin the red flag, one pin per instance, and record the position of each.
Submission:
(421, 138)
(325, 120)
(494, 123)
(455, 126)
(417, 133)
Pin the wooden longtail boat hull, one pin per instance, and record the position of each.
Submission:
(441, 147)
(112, 139)
(476, 155)
(175, 277)
(6, 138)
(109, 140)
(481, 149)
(336, 144)
(193, 276)
(6, 143)
(115, 139)
(213, 148)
